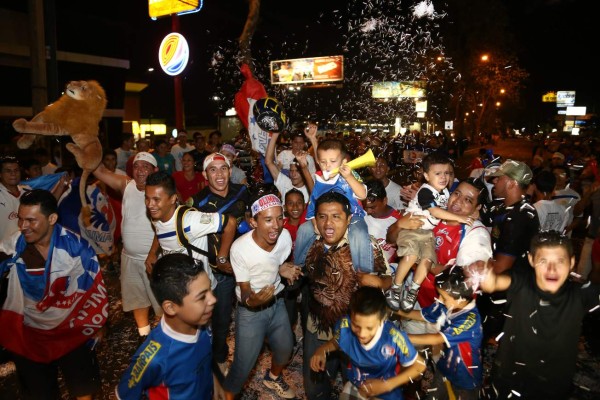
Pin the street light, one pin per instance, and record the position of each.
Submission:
(485, 57)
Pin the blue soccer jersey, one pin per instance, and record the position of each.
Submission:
(170, 365)
(460, 362)
(383, 358)
(337, 184)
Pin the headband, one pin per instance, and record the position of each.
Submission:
(267, 201)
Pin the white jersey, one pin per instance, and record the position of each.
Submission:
(251, 263)
(476, 245)
(136, 228)
(567, 198)
(177, 152)
(9, 206)
(553, 216)
(378, 228)
(439, 199)
(392, 191)
(284, 185)
(196, 225)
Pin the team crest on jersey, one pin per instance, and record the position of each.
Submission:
(439, 241)
(387, 351)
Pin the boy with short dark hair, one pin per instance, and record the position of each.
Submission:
(459, 327)
(381, 357)
(175, 360)
(538, 347)
(418, 245)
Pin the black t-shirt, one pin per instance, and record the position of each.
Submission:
(513, 228)
(234, 204)
(537, 353)
(207, 201)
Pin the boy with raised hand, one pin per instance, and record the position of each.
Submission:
(538, 348)
(459, 328)
(381, 357)
(331, 154)
(175, 360)
(418, 245)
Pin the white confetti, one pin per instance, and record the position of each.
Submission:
(499, 336)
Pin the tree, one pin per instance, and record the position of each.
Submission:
(494, 81)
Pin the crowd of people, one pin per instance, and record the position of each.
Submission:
(380, 271)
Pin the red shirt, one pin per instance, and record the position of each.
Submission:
(188, 188)
(293, 229)
(447, 242)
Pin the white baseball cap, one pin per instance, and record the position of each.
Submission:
(214, 157)
(145, 156)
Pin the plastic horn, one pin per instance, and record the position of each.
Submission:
(366, 160)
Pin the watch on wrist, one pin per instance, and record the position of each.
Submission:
(222, 260)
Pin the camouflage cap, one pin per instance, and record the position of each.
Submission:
(517, 170)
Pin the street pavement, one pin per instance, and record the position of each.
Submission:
(115, 352)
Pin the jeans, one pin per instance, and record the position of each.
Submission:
(358, 238)
(318, 385)
(221, 319)
(441, 391)
(251, 328)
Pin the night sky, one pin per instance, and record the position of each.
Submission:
(554, 39)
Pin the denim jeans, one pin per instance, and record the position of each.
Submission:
(318, 385)
(441, 390)
(358, 238)
(251, 329)
(221, 319)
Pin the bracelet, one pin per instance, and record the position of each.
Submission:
(246, 302)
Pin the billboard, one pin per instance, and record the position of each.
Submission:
(565, 98)
(385, 90)
(307, 70)
(162, 8)
(576, 111)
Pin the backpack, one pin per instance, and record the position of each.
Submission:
(182, 238)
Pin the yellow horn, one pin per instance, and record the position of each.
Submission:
(366, 160)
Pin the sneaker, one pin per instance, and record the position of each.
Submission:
(279, 386)
(409, 298)
(393, 297)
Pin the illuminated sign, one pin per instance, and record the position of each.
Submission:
(173, 54)
(576, 110)
(421, 106)
(161, 8)
(307, 70)
(385, 90)
(549, 97)
(565, 98)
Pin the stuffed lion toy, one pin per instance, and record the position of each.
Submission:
(77, 114)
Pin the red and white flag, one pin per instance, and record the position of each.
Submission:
(52, 311)
(251, 91)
